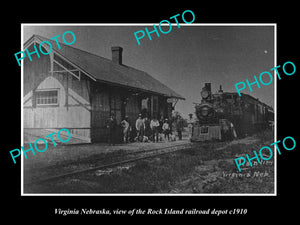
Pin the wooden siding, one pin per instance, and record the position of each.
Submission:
(84, 106)
(107, 100)
(36, 71)
(133, 108)
(73, 110)
(100, 113)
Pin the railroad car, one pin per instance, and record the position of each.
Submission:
(226, 115)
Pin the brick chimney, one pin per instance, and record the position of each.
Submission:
(117, 54)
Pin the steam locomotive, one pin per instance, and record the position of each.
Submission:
(226, 115)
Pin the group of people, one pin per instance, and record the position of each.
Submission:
(150, 129)
(144, 129)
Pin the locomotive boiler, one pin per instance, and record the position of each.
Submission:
(226, 115)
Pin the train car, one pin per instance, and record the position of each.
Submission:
(226, 115)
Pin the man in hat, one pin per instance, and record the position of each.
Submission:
(166, 129)
(125, 125)
(112, 129)
(140, 126)
(154, 125)
(147, 130)
(179, 126)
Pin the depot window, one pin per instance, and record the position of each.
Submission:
(204, 130)
(46, 97)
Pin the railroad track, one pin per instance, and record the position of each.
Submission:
(135, 156)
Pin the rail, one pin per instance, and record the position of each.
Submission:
(145, 155)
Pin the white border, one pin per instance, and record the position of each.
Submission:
(151, 24)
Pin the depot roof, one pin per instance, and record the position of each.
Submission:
(105, 70)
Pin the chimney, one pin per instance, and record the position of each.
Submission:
(117, 54)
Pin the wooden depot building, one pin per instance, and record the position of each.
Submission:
(74, 89)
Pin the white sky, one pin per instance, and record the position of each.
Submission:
(185, 58)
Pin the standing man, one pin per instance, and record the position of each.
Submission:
(140, 126)
(147, 130)
(233, 133)
(190, 121)
(112, 129)
(179, 126)
(125, 126)
(166, 129)
(154, 125)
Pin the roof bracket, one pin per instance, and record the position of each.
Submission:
(66, 70)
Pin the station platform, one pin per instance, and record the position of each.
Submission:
(70, 153)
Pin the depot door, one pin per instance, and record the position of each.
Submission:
(116, 106)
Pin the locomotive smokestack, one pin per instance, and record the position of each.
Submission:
(206, 92)
(208, 87)
(220, 90)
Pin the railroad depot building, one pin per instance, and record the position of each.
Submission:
(74, 89)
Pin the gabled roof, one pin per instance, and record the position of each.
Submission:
(104, 70)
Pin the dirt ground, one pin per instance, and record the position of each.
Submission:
(204, 168)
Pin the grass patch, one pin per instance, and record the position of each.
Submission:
(201, 169)
(147, 176)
